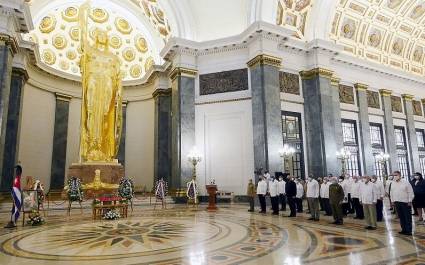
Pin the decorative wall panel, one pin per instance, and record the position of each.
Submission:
(373, 99)
(222, 82)
(289, 83)
(417, 107)
(396, 104)
(346, 94)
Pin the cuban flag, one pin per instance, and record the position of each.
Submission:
(17, 199)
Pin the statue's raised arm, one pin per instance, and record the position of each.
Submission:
(83, 23)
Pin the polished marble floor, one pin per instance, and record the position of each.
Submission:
(182, 235)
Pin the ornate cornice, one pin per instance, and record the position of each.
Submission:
(264, 59)
(9, 41)
(181, 71)
(161, 93)
(20, 72)
(385, 92)
(335, 81)
(407, 97)
(360, 86)
(223, 101)
(63, 97)
(322, 72)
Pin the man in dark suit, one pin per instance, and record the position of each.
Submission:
(291, 192)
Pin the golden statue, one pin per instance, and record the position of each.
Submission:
(97, 184)
(101, 107)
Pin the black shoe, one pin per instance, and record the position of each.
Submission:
(368, 227)
(275, 213)
(250, 210)
(316, 220)
(262, 212)
(339, 223)
(292, 216)
(407, 233)
(310, 219)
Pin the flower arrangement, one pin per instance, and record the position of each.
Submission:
(35, 219)
(75, 189)
(111, 215)
(126, 189)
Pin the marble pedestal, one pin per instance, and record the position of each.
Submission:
(109, 172)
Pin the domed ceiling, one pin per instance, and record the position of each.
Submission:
(390, 32)
(293, 14)
(58, 35)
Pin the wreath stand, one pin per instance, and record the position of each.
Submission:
(160, 193)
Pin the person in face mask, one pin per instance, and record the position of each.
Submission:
(388, 192)
(336, 197)
(402, 196)
(291, 192)
(368, 200)
(312, 194)
(299, 197)
(419, 190)
(380, 193)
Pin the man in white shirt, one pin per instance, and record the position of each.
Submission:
(368, 200)
(402, 196)
(274, 195)
(281, 189)
(380, 193)
(313, 198)
(324, 194)
(355, 195)
(299, 196)
(261, 192)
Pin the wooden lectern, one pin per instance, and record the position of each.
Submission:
(212, 191)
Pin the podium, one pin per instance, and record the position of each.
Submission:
(212, 191)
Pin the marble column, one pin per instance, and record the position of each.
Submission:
(182, 124)
(411, 133)
(389, 128)
(162, 160)
(339, 141)
(60, 135)
(7, 51)
(121, 149)
(19, 77)
(321, 122)
(364, 129)
(266, 112)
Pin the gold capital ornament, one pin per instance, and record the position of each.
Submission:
(101, 107)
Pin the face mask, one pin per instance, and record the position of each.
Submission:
(391, 178)
(397, 178)
(416, 177)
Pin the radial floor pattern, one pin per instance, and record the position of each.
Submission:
(183, 235)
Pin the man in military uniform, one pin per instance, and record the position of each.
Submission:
(251, 195)
(336, 197)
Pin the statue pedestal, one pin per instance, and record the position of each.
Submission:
(110, 173)
(212, 191)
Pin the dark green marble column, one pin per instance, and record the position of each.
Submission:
(60, 137)
(266, 112)
(121, 149)
(182, 124)
(322, 125)
(389, 128)
(412, 141)
(162, 166)
(364, 129)
(7, 52)
(10, 157)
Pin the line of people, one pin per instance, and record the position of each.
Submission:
(338, 197)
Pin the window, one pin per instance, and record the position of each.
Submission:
(402, 157)
(422, 161)
(376, 134)
(292, 136)
(376, 138)
(349, 132)
(399, 137)
(420, 136)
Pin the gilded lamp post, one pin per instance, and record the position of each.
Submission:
(343, 155)
(382, 159)
(285, 153)
(194, 158)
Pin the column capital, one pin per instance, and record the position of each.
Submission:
(161, 93)
(335, 81)
(322, 72)
(407, 97)
(361, 87)
(182, 72)
(9, 41)
(385, 92)
(63, 97)
(264, 59)
(20, 72)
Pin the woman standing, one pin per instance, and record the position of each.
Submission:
(419, 190)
